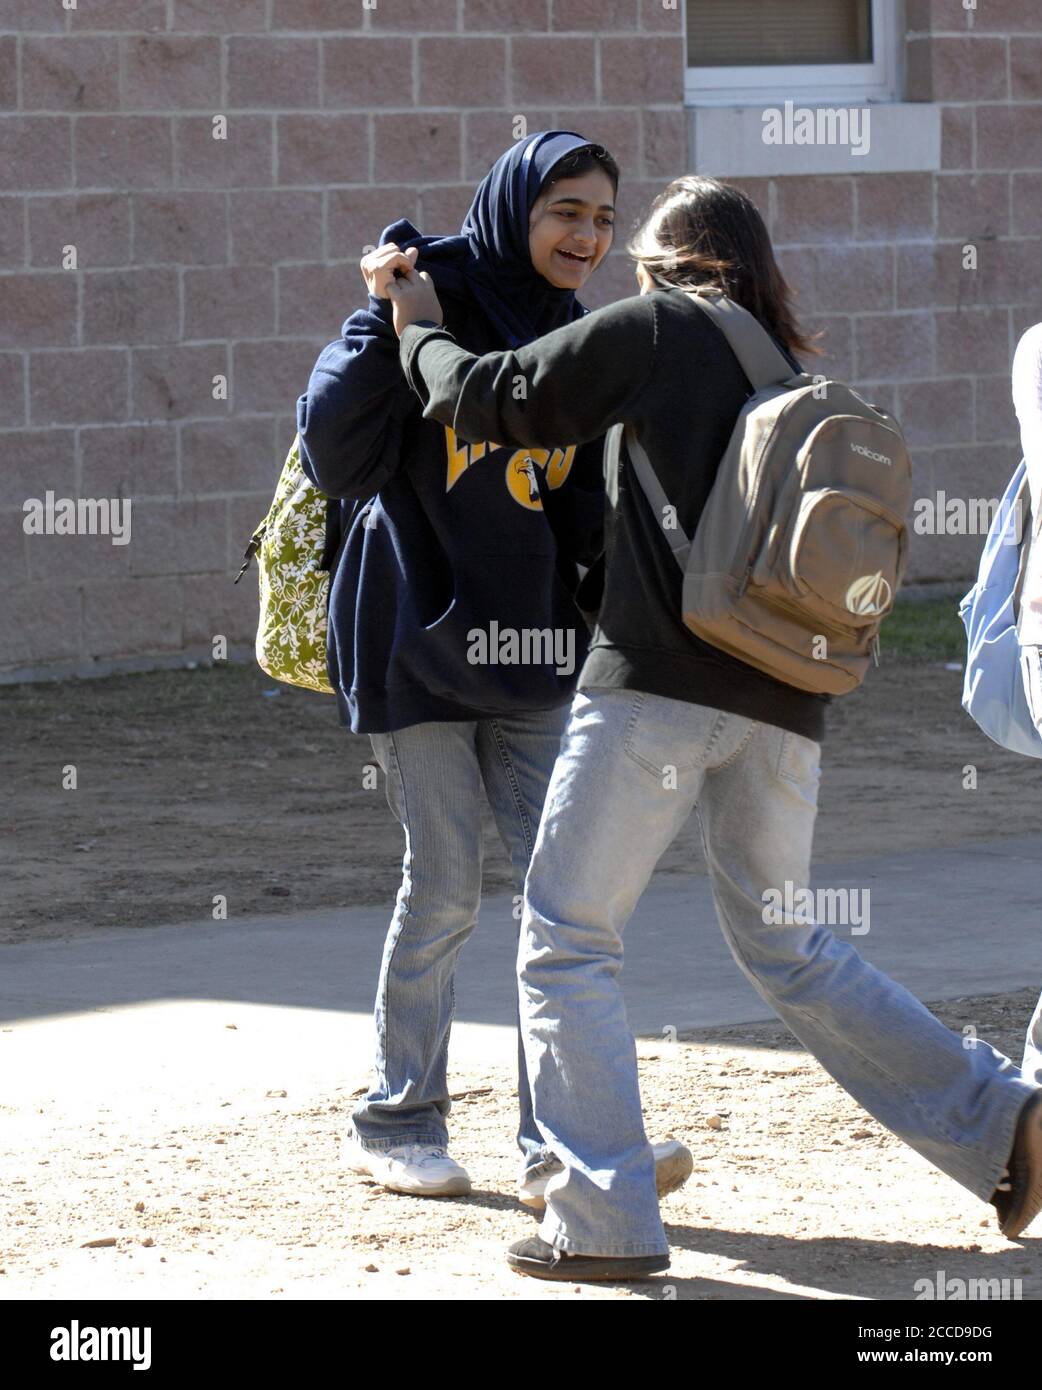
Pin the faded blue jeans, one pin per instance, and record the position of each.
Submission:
(631, 768)
(434, 774)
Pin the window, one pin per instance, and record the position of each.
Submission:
(742, 51)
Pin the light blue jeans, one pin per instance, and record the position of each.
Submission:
(631, 768)
(434, 774)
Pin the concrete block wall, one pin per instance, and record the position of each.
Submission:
(199, 259)
(877, 260)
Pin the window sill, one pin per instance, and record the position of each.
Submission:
(728, 141)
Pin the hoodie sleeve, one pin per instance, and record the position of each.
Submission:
(351, 418)
(574, 383)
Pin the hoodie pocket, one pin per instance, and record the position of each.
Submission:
(431, 589)
(444, 617)
(500, 642)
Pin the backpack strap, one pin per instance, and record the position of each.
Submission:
(758, 355)
(675, 537)
(761, 361)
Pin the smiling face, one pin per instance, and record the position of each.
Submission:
(570, 229)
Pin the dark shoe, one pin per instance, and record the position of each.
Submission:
(533, 1256)
(1018, 1199)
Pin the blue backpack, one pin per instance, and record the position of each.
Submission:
(993, 691)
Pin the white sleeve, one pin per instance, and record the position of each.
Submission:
(1027, 399)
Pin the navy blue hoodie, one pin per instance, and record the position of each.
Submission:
(449, 546)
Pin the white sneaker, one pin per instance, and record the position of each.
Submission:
(421, 1169)
(673, 1166)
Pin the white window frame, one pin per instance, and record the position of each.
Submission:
(843, 83)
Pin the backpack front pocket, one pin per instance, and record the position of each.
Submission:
(843, 558)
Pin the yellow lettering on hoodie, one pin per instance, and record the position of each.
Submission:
(461, 456)
(520, 475)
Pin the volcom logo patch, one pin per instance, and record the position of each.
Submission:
(869, 594)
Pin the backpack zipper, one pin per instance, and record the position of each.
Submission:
(249, 552)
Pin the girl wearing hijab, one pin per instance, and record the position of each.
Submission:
(741, 747)
(441, 561)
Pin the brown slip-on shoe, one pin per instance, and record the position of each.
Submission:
(1018, 1200)
(534, 1256)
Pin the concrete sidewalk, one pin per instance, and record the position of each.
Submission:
(274, 997)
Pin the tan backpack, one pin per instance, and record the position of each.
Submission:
(802, 545)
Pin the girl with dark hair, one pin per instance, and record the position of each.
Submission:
(663, 723)
(437, 555)
(699, 232)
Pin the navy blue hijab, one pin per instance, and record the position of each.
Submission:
(488, 262)
(486, 265)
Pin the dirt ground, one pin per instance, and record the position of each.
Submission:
(195, 783)
(796, 1193)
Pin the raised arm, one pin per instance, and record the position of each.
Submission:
(572, 385)
(351, 417)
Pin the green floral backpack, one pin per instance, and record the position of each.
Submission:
(295, 548)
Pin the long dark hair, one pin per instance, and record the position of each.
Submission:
(704, 232)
